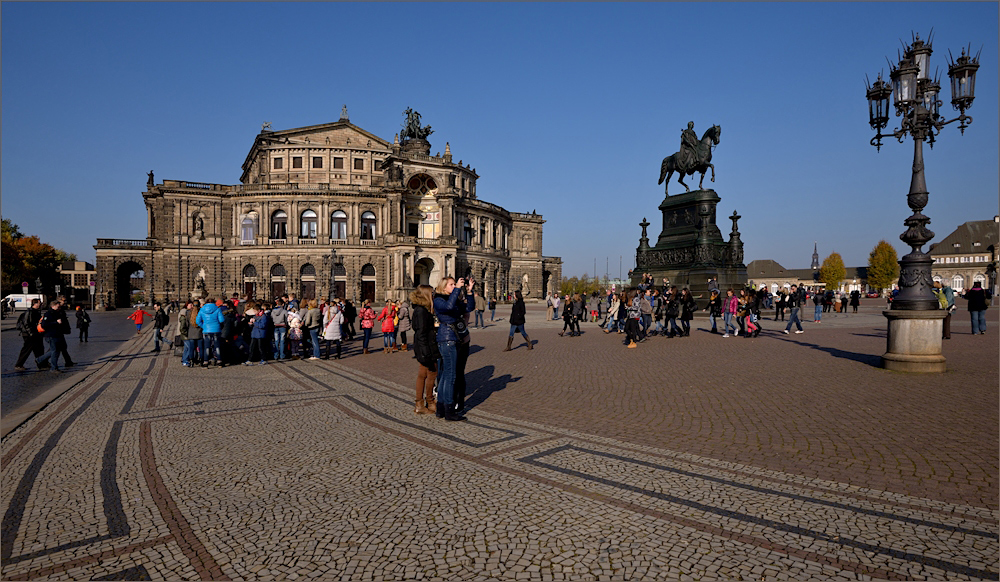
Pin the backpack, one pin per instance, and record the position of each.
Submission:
(22, 325)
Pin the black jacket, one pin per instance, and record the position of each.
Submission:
(517, 313)
(160, 319)
(425, 346)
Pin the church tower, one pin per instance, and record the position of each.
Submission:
(815, 263)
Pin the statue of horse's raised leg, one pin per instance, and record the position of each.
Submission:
(680, 178)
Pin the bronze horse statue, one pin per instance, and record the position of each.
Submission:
(704, 156)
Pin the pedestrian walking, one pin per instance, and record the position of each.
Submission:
(517, 321)
(27, 327)
(794, 301)
(714, 309)
(946, 300)
(480, 310)
(137, 318)
(978, 304)
(730, 306)
(160, 321)
(493, 308)
(83, 323)
(51, 329)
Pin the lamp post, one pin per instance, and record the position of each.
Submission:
(915, 314)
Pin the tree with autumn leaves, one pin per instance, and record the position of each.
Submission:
(27, 258)
(832, 271)
(883, 266)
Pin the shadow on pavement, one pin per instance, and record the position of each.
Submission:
(480, 385)
(873, 360)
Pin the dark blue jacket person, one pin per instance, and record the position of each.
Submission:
(450, 309)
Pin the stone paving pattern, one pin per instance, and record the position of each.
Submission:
(780, 457)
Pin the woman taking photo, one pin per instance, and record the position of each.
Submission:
(449, 306)
(425, 347)
(517, 321)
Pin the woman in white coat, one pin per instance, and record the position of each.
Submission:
(332, 322)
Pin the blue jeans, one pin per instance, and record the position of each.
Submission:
(212, 347)
(492, 313)
(819, 313)
(446, 374)
(368, 336)
(388, 339)
(479, 319)
(610, 324)
(978, 321)
(727, 322)
(659, 326)
(672, 322)
(188, 351)
(158, 337)
(711, 317)
(279, 342)
(517, 329)
(52, 355)
(314, 336)
(794, 318)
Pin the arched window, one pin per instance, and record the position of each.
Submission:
(279, 224)
(422, 185)
(467, 232)
(339, 270)
(249, 271)
(308, 229)
(368, 271)
(308, 270)
(368, 226)
(278, 271)
(958, 283)
(247, 231)
(338, 225)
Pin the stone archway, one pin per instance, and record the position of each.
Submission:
(423, 272)
(124, 283)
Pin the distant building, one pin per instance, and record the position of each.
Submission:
(75, 277)
(324, 211)
(775, 276)
(968, 255)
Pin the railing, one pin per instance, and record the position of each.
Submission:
(276, 241)
(306, 241)
(368, 242)
(245, 188)
(248, 243)
(120, 242)
(428, 241)
(338, 241)
(198, 185)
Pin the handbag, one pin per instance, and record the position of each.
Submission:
(40, 328)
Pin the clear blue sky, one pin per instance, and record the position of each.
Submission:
(566, 109)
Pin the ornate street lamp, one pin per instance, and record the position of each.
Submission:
(915, 97)
(913, 345)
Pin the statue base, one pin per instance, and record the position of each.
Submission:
(914, 342)
(690, 249)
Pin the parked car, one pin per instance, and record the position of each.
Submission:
(872, 295)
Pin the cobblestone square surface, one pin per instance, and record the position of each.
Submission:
(778, 457)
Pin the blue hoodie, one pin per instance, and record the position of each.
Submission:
(210, 318)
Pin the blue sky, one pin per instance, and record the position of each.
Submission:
(564, 108)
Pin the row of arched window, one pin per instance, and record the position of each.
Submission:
(307, 270)
(308, 226)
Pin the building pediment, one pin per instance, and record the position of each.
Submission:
(338, 134)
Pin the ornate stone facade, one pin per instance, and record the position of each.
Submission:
(328, 210)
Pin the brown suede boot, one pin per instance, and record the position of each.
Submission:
(528, 339)
(510, 340)
(402, 347)
(366, 351)
(431, 405)
(421, 408)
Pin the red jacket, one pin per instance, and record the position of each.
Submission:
(387, 315)
(137, 316)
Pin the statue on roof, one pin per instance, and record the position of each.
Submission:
(412, 129)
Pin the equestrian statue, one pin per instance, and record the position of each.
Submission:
(694, 156)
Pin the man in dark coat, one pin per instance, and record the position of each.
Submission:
(977, 308)
(28, 328)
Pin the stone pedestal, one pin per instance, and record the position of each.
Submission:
(690, 249)
(914, 341)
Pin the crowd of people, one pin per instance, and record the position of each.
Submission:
(44, 334)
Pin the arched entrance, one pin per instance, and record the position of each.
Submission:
(340, 281)
(368, 283)
(308, 282)
(423, 271)
(277, 281)
(250, 282)
(129, 281)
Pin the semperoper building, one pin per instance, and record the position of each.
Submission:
(328, 210)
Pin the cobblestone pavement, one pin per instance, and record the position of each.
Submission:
(780, 457)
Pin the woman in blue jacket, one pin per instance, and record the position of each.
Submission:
(450, 308)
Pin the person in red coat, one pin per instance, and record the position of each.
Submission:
(387, 317)
(137, 317)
